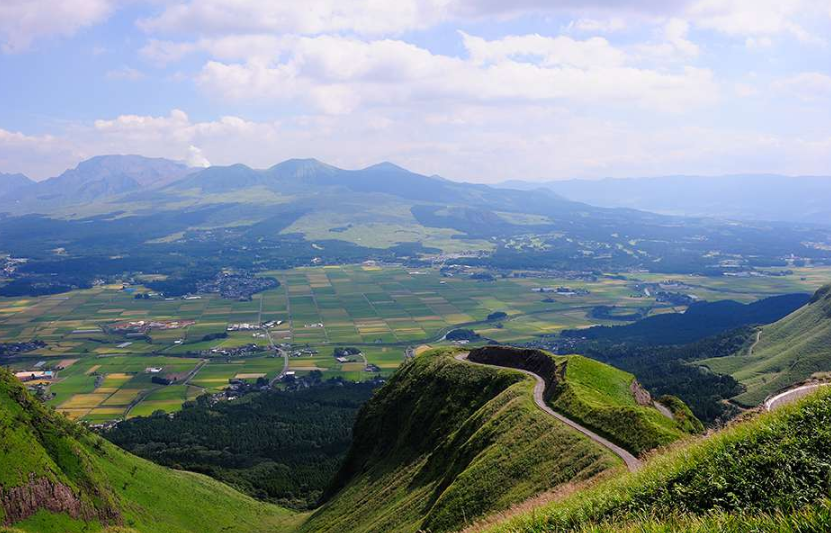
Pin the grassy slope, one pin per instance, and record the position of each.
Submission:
(143, 495)
(599, 396)
(770, 473)
(445, 442)
(789, 351)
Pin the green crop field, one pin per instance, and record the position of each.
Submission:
(381, 310)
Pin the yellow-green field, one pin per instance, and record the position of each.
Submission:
(383, 310)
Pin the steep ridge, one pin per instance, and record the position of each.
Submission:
(789, 351)
(602, 398)
(56, 476)
(445, 442)
(632, 462)
(770, 473)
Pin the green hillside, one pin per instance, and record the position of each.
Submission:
(444, 442)
(772, 473)
(55, 476)
(788, 351)
(600, 397)
(447, 441)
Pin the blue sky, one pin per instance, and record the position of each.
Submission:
(479, 90)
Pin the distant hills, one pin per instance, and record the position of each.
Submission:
(120, 214)
(10, 183)
(757, 197)
(791, 350)
(93, 179)
(700, 320)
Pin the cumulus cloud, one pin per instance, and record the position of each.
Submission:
(309, 17)
(35, 155)
(590, 25)
(755, 18)
(337, 75)
(806, 86)
(548, 51)
(24, 21)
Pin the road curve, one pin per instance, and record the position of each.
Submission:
(792, 395)
(632, 462)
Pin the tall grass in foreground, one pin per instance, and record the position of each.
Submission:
(772, 473)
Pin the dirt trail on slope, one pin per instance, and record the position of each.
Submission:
(632, 462)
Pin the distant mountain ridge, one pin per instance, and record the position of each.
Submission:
(756, 197)
(13, 182)
(97, 178)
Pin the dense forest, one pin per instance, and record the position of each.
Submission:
(701, 320)
(277, 446)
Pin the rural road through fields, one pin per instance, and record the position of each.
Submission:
(790, 396)
(632, 462)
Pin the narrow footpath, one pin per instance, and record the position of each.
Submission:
(632, 462)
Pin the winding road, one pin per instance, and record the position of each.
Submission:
(632, 462)
(790, 396)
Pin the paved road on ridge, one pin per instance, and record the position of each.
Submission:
(632, 462)
(790, 396)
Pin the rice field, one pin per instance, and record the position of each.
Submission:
(103, 375)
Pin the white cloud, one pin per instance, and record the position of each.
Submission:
(548, 51)
(24, 21)
(369, 17)
(673, 44)
(756, 43)
(196, 158)
(260, 47)
(806, 86)
(35, 155)
(338, 75)
(589, 25)
(758, 18)
(125, 73)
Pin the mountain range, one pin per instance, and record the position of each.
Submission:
(119, 214)
(755, 197)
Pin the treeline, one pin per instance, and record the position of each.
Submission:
(277, 446)
(699, 321)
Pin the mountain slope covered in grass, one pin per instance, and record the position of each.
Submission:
(56, 476)
(444, 442)
(772, 473)
(602, 398)
(788, 351)
(447, 441)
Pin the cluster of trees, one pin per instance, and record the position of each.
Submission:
(462, 335)
(497, 315)
(278, 446)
